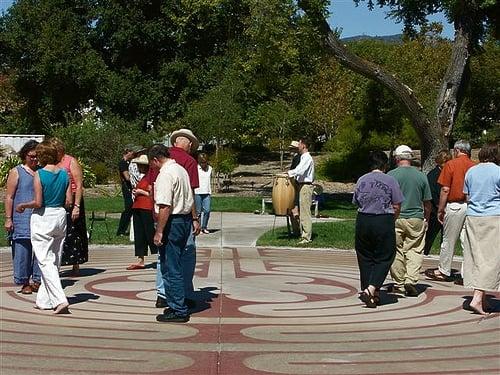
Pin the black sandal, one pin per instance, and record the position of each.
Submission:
(368, 299)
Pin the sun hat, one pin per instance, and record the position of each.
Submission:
(403, 151)
(185, 133)
(143, 159)
(294, 144)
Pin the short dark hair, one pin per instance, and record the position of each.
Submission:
(47, 153)
(158, 151)
(305, 141)
(489, 153)
(377, 160)
(27, 147)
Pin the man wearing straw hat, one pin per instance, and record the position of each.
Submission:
(184, 142)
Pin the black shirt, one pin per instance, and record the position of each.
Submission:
(123, 167)
(432, 177)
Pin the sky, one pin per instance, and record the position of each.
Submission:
(351, 19)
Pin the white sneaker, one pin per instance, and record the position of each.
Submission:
(304, 241)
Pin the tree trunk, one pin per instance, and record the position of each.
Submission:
(432, 131)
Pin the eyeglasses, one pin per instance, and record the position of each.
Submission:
(32, 156)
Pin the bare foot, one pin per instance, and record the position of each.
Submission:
(478, 309)
(62, 308)
(76, 270)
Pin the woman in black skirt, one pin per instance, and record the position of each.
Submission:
(76, 247)
(379, 198)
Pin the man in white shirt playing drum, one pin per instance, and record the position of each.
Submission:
(304, 175)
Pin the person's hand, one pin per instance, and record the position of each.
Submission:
(157, 239)
(196, 227)
(75, 213)
(440, 216)
(20, 208)
(8, 225)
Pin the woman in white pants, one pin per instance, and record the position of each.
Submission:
(48, 226)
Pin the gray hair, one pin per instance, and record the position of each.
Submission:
(463, 146)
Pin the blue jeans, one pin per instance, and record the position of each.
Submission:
(188, 269)
(24, 262)
(175, 261)
(202, 202)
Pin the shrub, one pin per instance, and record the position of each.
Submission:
(102, 140)
(6, 165)
(224, 162)
(89, 178)
(101, 172)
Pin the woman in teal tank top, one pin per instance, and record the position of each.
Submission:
(48, 226)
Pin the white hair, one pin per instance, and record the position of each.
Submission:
(462, 146)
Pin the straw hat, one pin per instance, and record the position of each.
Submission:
(188, 134)
(143, 159)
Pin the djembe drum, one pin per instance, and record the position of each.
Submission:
(283, 194)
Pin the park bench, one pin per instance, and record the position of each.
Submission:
(100, 217)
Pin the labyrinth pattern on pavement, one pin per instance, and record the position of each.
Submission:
(259, 311)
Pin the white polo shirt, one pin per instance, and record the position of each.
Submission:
(172, 188)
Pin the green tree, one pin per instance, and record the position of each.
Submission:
(279, 122)
(434, 127)
(56, 68)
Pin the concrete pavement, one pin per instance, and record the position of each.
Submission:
(259, 311)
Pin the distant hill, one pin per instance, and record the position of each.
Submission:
(396, 38)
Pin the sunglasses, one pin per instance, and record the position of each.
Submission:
(32, 156)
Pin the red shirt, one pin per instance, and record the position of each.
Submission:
(453, 175)
(185, 160)
(144, 202)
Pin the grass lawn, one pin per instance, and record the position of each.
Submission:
(342, 208)
(338, 234)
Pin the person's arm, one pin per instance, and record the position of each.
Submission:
(10, 193)
(76, 172)
(196, 220)
(443, 198)
(37, 202)
(427, 210)
(397, 210)
(69, 202)
(126, 176)
(163, 215)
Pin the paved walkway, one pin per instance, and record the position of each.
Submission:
(259, 311)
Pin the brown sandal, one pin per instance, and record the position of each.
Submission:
(431, 274)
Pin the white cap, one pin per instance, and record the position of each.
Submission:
(403, 151)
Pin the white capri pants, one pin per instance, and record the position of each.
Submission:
(48, 229)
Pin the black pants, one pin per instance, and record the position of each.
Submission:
(375, 245)
(144, 230)
(432, 231)
(127, 211)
